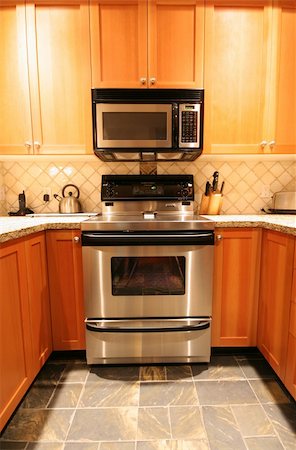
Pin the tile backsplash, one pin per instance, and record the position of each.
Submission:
(245, 180)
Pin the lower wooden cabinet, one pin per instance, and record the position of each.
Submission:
(290, 374)
(275, 298)
(15, 339)
(236, 283)
(25, 334)
(39, 299)
(66, 289)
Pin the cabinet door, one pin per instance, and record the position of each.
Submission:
(275, 293)
(175, 43)
(66, 290)
(59, 74)
(39, 299)
(290, 375)
(15, 339)
(236, 283)
(237, 82)
(119, 43)
(283, 102)
(14, 82)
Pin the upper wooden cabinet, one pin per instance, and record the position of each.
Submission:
(250, 93)
(147, 43)
(45, 77)
(283, 103)
(15, 113)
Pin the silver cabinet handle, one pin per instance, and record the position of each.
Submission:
(152, 80)
(271, 144)
(28, 144)
(219, 237)
(143, 80)
(37, 145)
(76, 239)
(263, 144)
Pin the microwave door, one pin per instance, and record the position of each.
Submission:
(134, 125)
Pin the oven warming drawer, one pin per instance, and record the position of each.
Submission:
(138, 341)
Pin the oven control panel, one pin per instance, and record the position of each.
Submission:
(147, 187)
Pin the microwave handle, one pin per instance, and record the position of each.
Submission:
(175, 125)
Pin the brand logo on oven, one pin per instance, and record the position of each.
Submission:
(170, 205)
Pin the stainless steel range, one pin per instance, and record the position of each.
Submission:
(148, 267)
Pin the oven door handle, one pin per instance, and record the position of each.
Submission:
(102, 326)
(134, 238)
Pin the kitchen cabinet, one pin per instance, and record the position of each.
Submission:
(45, 77)
(250, 76)
(236, 284)
(40, 322)
(14, 80)
(274, 299)
(147, 43)
(290, 374)
(64, 255)
(15, 339)
(25, 334)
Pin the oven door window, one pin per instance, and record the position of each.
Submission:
(164, 275)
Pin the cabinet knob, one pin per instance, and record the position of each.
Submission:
(219, 237)
(143, 80)
(28, 144)
(37, 145)
(76, 239)
(263, 144)
(152, 80)
(271, 144)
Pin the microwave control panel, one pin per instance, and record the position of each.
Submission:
(189, 120)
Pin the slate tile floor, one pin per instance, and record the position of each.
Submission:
(235, 402)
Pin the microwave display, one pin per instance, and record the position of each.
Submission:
(128, 126)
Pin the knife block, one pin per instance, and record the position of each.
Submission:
(211, 204)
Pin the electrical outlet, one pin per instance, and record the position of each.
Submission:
(265, 191)
(46, 191)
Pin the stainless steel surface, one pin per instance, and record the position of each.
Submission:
(133, 108)
(137, 222)
(85, 215)
(160, 207)
(148, 272)
(100, 301)
(69, 203)
(151, 347)
(285, 200)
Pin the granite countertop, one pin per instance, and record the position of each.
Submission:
(286, 223)
(15, 227)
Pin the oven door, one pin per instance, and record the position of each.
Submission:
(146, 281)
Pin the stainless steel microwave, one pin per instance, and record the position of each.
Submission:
(147, 124)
